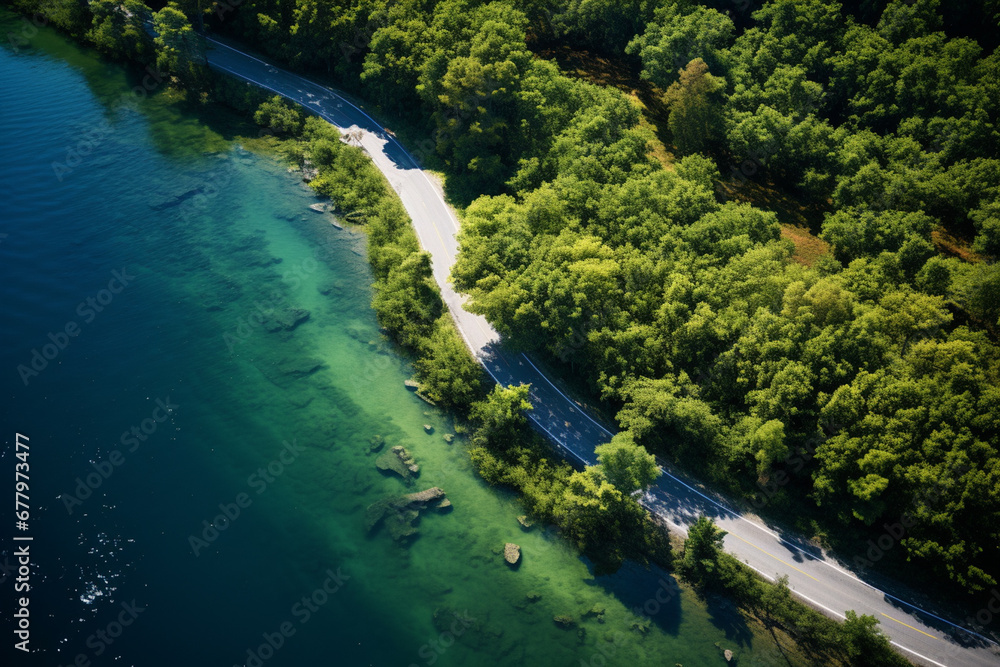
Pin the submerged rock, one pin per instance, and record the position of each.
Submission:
(309, 172)
(428, 428)
(288, 369)
(423, 497)
(375, 444)
(447, 620)
(375, 512)
(326, 288)
(525, 522)
(259, 258)
(642, 627)
(177, 200)
(400, 524)
(511, 553)
(448, 437)
(564, 621)
(399, 513)
(286, 320)
(407, 460)
(398, 460)
(299, 367)
(597, 611)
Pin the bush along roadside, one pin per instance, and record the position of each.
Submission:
(595, 508)
(857, 641)
(407, 301)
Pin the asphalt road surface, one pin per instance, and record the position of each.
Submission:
(924, 637)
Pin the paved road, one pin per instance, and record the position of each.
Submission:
(815, 576)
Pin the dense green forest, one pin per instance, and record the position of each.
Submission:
(865, 387)
(870, 379)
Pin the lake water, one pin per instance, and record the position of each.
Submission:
(141, 247)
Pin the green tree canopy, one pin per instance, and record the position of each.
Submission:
(280, 116)
(702, 549)
(119, 29)
(673, 39)
(180, 50)
(627, 465)
(694, 102)
(500, 416)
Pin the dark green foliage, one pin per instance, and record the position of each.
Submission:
(627, 465)
(858, 233)
(499, 418)
(674, 39)
(694, 103)
(702, 551)
(865, 644)
(119, 29)
(446, 371)
(236, 93)
(921, 438)
(347, 177)
(687, 313)
(605, 26)
(279, 116)
(857, 641)
(71, 16)
(602, 519)
(180, 50)
(407, 301)
(605, 523)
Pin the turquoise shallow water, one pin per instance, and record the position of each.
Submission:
(179, 238)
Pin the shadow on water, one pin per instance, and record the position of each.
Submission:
(173, 117)
(652, 594)
(126, 89)
(725, 616)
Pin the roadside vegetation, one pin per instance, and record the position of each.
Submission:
(407, 301)
(595, 508)
(857, 641)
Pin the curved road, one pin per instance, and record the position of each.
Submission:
(817, 577)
